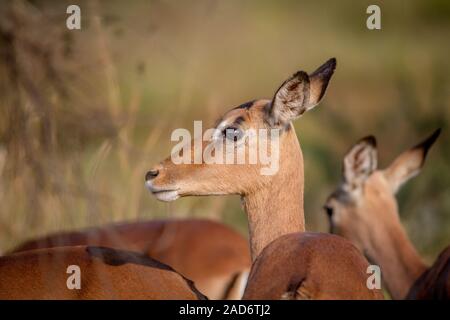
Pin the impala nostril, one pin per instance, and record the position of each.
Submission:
(151, 175)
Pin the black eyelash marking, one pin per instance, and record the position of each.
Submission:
(246, 105)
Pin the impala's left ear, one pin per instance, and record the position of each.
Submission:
(360, 162)
(408, 164)
(300, 93)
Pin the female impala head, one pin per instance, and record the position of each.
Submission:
(364, 203)
(300, 93)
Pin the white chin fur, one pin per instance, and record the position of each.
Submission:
(166, 195)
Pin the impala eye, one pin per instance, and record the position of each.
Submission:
(233, 134)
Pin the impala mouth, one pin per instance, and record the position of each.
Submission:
(162, 194)
(166, 195)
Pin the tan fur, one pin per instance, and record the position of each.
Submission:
(310, 266)
(105, 274)
(274, 204)
(207, 252)
(368, 216)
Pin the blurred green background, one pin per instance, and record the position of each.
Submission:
(85, 113)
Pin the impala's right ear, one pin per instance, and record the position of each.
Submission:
(300, 93)
(409, 163)
(359, 162)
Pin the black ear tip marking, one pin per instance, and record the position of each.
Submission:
(331, 63)
(434, 136)
(437, 133)
(370, 140)
(428, 142)
(326, 70)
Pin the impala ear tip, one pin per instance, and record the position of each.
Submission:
(436, 133)
(332, 62)
(326, 70)
(370, 140)
(428, 142)
(320, 79)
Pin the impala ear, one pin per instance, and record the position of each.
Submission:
(300, 93)
(360, 161)
(408, 164)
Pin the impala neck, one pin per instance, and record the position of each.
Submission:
(399, 261)
(276, 208)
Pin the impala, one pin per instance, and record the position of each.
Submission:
(273, 203)
(364, 210)
(209, 253)
(105, 273)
